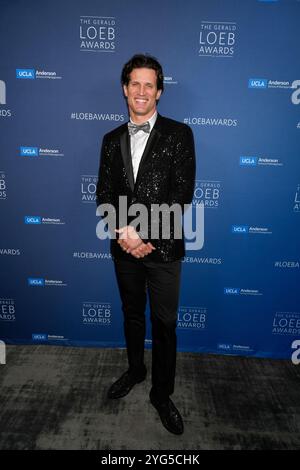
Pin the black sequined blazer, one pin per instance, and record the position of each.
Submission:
(166, 175)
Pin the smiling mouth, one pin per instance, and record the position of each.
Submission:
(140, 100)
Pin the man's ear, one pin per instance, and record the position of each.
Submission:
(158, 94)
(125, 90)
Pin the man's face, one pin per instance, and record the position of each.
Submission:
(142, 93)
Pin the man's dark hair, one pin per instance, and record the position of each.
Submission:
(139, 61)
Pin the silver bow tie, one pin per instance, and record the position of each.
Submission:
(134, 128)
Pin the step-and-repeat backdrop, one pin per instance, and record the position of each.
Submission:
(232, 73)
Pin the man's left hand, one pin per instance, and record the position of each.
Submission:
(142, 250)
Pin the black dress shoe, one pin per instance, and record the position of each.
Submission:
(169, 415)
(123, 385)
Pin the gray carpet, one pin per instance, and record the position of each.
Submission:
(55, 398)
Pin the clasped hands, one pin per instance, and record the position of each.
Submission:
(131, 242)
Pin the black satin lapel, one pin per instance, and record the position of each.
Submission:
(152, 141)
(126, 155)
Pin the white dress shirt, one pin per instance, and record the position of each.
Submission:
(138, 143)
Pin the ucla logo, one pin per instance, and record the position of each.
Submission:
(224, 346)
(248, 161)
(231, 291)
(36, 282)
(257, 83)
(25, 73)
(32, 219)
(240, 229)
(39, 337)
(29, 151)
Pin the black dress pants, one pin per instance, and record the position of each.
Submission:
(162, 281)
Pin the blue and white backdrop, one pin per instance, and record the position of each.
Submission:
(232, 73)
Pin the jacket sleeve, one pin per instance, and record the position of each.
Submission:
(182, 179)
(105, 190)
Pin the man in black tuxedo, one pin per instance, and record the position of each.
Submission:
(150, 161)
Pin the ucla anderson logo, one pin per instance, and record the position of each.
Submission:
(40, 152)
(32, 74)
